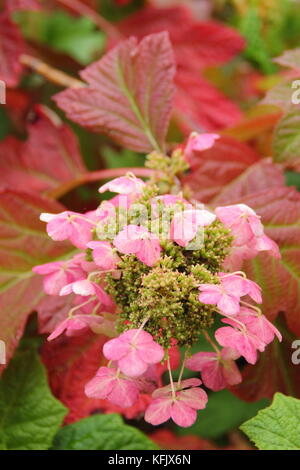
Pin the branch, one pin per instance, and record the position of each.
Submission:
(53, 75)
(97, 176)
(95, 17)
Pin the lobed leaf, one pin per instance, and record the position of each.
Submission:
(129, 94)
(102, 432)
(276, 427)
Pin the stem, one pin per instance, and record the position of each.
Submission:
(96, 176)
(171, 379)
(81, 305)
(53, 75)
(84, 10)
(181, 370)
(257, 309)
(211, 342)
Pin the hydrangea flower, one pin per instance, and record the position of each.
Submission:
(244, 223)
(70, 226)
(258, 325)
(124, 185)
(240, 339)
(111, 385)
(181, 407)
(58, 274)
(76, 324)
(104, 255)
(185, 224)
(134, 350)
(218, 370)
(197, 143)
(86, 288)
(152, 271)
(226, 295)
(137, 240)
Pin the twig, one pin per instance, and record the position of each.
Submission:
(53, 75)
(95, 17)
(97, 176)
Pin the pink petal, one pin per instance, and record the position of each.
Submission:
(182, 414)
(151, 353)
(132, 365)
(149, 252)
(124, 393)
(158, 411)
(194, 398)
(101, 385)
(229, 305)
(200, 359)
(115, 349)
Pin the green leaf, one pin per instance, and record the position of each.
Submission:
(29, 415)
(74, 36)
(286, 141)
(276, 427)
(102, 432)
(223, 413)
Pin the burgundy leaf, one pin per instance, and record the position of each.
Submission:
(50, 155)
(11, 48)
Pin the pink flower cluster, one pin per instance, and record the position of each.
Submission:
(134, 355)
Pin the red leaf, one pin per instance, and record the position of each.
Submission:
(129, 93)
(196, 45)
(200, 106)
(23, 244)
(11, 48)
(213, 169)
(49, 156)
(17, 5)
(257, 177)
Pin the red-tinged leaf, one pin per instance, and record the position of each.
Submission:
(214, 168)
(260, 176)
(50, 156)
(129, 93)
(52, 310)
(18, 5)
(274, 372)
(253, 126)
(290, 58)
(11, 48)
(196, 45)
(286, 139)
(200, 106)
(23, 244)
